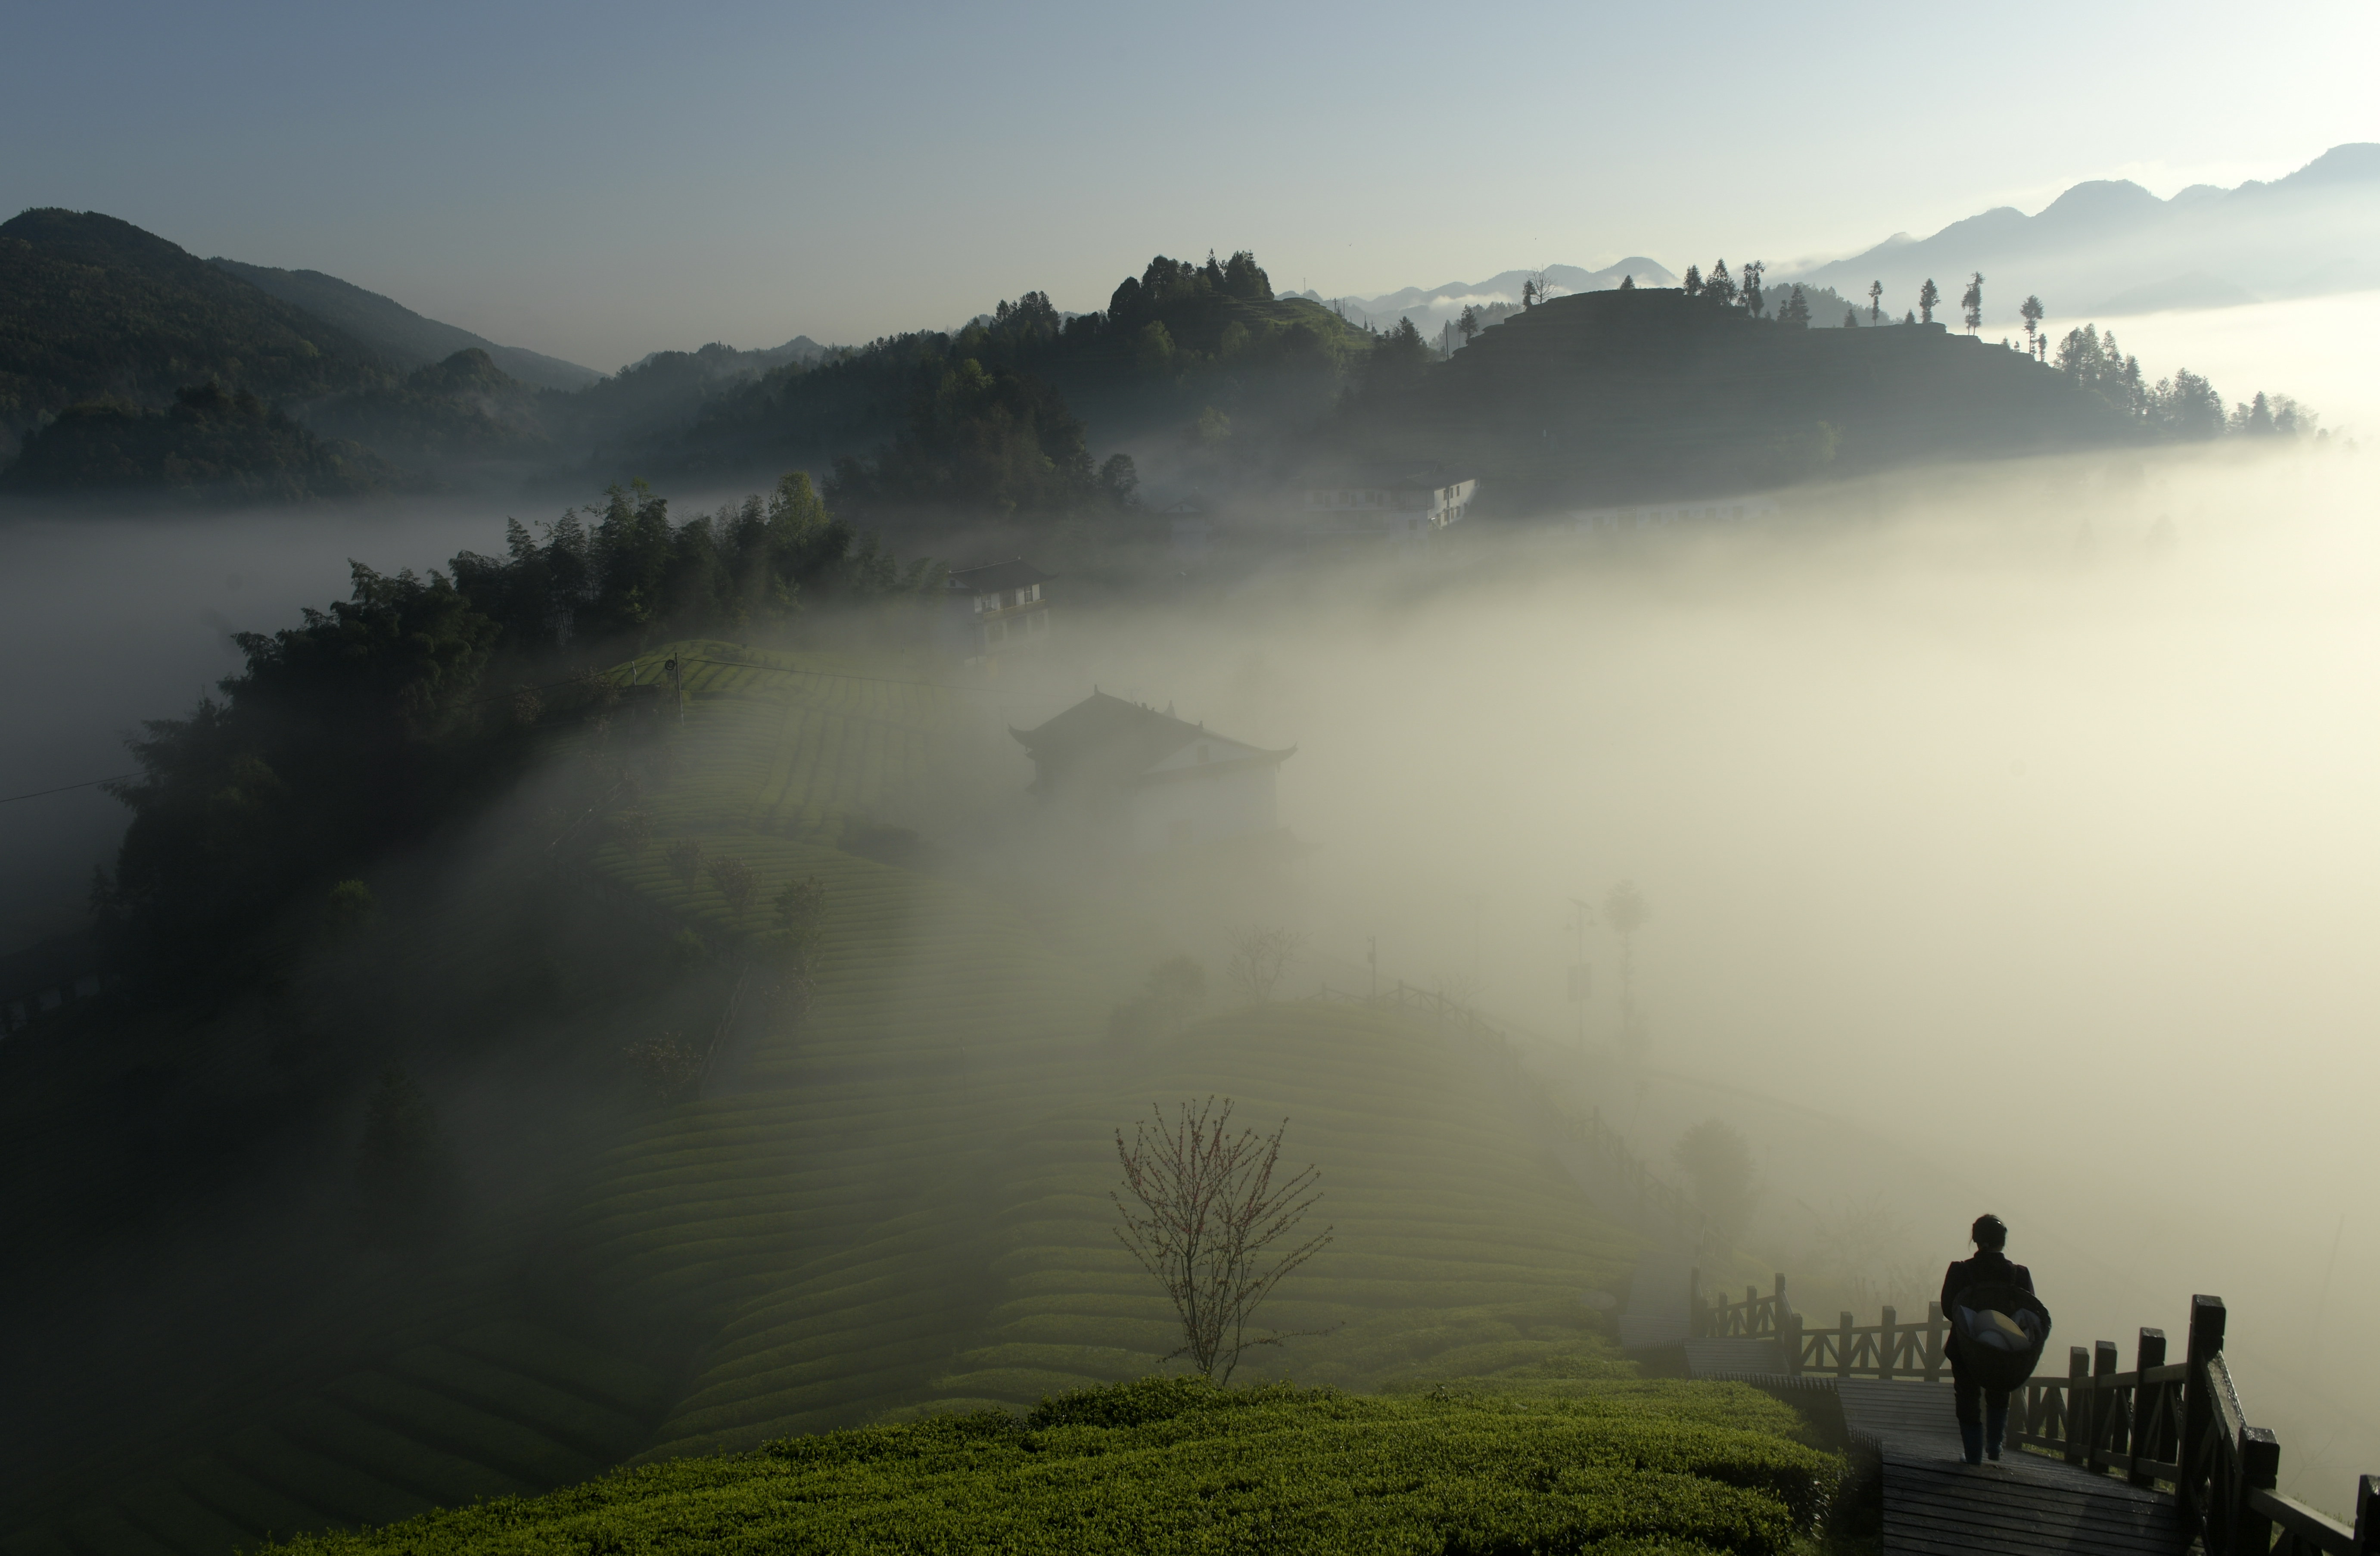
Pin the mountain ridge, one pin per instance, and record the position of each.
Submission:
(410, 339)
(2111, 239)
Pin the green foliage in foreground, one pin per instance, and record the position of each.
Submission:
(1176, 1464)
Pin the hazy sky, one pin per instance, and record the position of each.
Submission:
(602, 180)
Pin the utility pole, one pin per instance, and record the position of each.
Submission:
(1581, 980)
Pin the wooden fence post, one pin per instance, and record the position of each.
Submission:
(2105, 1420)
(2149, 1423)
(1789, 1341)
(1751, 1311)
(2367, 1515)
(2198, 1410)
(2077, 1404)
(1883, 1343)
(2260, 1469)
(1933, 1333)
(1844, 1348)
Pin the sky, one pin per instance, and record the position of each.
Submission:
(598, 182)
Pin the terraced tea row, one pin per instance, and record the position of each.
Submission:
(505, 1409)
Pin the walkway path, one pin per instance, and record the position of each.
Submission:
(1935, 1504)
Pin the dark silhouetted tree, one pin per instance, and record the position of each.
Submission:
(1875, 302)
(1971, 303)
(2031, 310)
(1120, 479)
(1628, 282)
(1850, 318)
(1468, 324)
(1927, 297)
(1754, 301)
(1796, 312)
(1720, 286)
(1692, 285)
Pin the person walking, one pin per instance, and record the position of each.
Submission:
(1989, 1290)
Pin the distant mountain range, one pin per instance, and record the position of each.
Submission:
(2104, 250)
(2110, 247)
(1432, 310)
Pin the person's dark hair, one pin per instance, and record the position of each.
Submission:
(1989, 1232)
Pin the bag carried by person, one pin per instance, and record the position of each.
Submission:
(2002, 1331)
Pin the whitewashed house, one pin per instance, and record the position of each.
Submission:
(1406, 505)
(993, 609)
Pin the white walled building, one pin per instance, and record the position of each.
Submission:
(998, 607)
(1407, 504)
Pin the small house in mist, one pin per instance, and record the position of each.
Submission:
(1406, 504)
(996, 608)
(1151, 781)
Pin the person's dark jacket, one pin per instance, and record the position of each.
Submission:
(1989, 1264)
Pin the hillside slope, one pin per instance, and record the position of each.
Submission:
(91, 307)
(403, 336)
(889, 1199)
(1617, 395)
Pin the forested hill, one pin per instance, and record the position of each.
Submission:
(1621, 396)
(94, 308)
(1179, 343)
(396, 331)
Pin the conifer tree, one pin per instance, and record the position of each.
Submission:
(1693, 284)
(1720, 286)
(2031, 311)
(1928, 296)
(1972, 301)
(1875, 302)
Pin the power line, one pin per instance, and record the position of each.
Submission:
(62, 788)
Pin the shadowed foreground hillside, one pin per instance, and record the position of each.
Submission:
(888, 1200)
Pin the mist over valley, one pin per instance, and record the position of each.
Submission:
(1225, 905)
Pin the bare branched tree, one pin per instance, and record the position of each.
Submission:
(1260, 956)
(1205, 1217)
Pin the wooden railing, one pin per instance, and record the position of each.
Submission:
(2158, 1423)
(1756, 1315)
